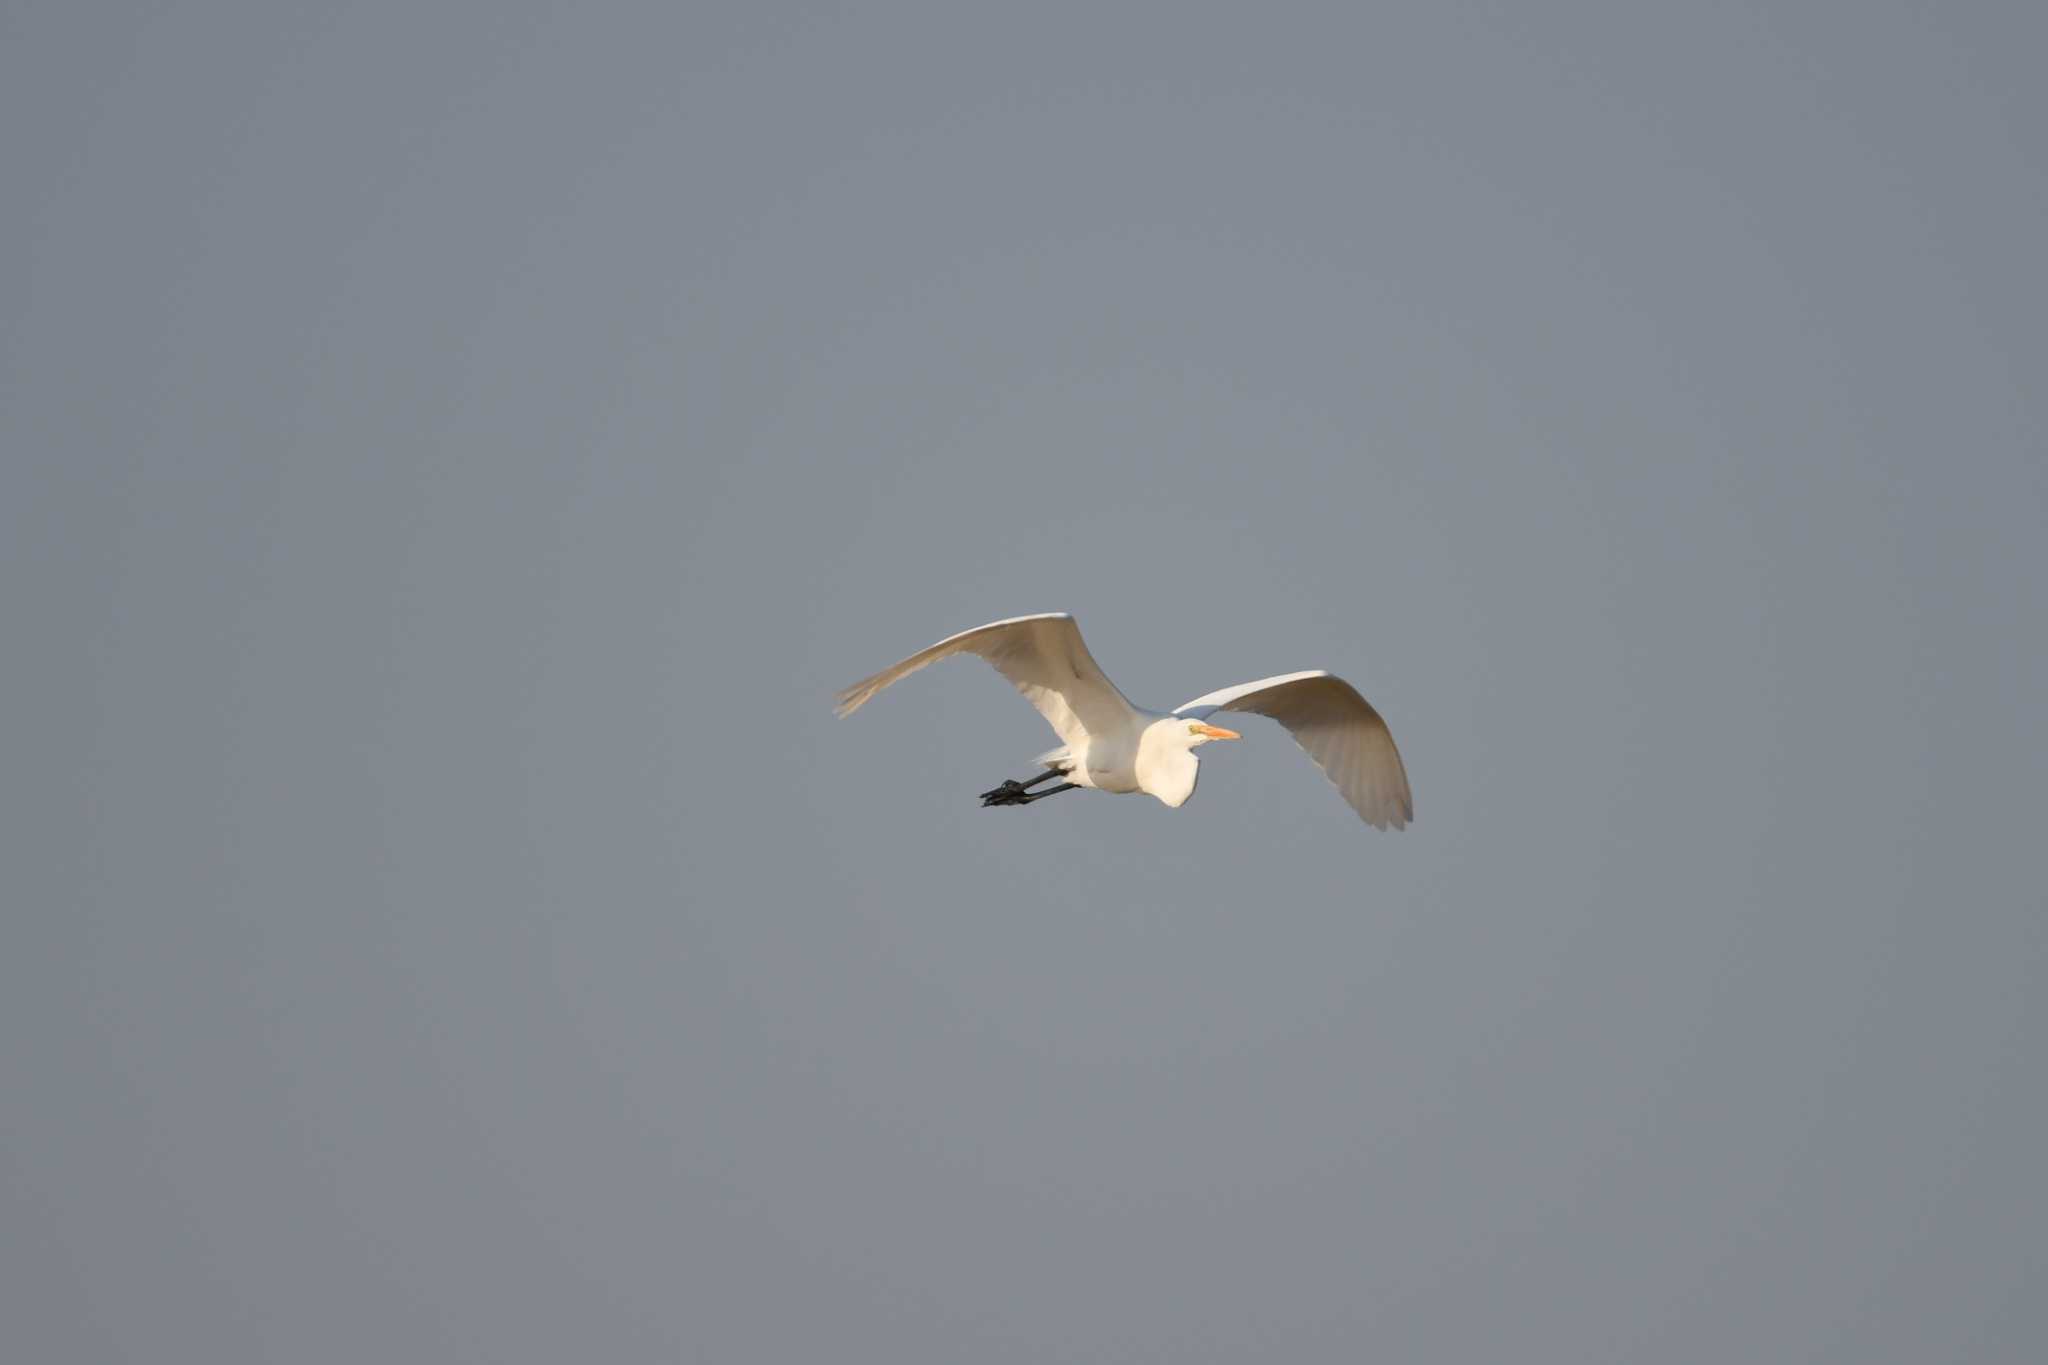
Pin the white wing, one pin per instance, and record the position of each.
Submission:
(1045, 658)
(1339, 730)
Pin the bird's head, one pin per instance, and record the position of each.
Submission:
(1200, 733)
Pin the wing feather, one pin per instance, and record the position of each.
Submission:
(1044, 657)
(1337, 728)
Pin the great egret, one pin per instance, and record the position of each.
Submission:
(1113, 746)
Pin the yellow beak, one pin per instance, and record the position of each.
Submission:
(1217, 732)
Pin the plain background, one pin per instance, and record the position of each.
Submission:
(452, 453)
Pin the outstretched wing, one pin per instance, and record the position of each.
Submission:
(1043, 656)
(1338, 729)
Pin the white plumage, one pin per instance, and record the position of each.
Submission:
(1110, 745)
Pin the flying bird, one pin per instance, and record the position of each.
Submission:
(1110, 745)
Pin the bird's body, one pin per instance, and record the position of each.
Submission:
(1112, 746)
(1141, 758)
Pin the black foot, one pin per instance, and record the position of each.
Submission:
(1002, 796)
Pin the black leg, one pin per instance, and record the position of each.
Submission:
(1013, 792)
(1050, 791)
(1006, 795)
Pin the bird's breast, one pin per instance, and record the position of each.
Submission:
(1112, 767)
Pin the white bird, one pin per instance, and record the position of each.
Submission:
(1112, 746)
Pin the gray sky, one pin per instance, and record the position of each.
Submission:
(452, 454)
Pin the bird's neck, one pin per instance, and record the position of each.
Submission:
(1167, 768)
